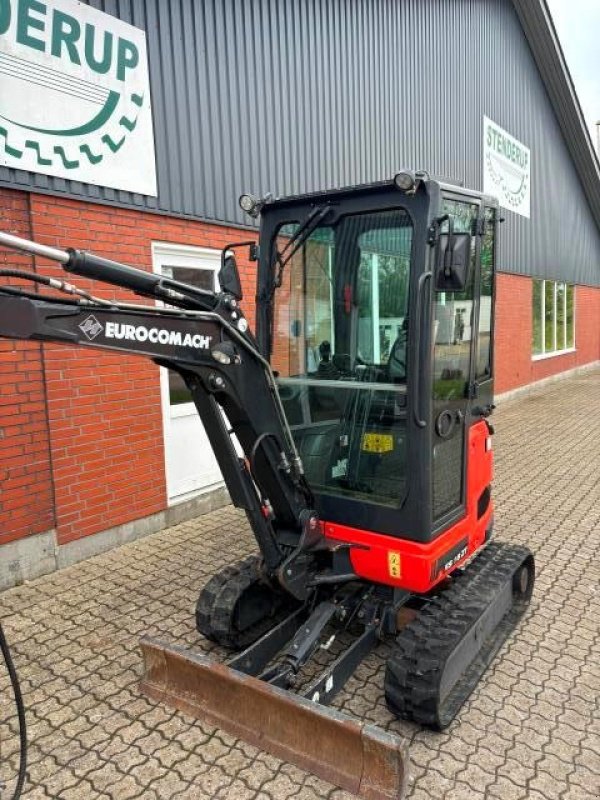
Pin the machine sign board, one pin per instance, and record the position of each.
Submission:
(506, 169)
(75, 95)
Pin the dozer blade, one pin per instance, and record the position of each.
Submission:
(351, 754)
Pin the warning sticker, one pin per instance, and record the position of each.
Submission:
(377, 443)
(394, 564)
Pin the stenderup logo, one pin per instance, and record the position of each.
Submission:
(74, 95)
(91, 327)
(506, 168)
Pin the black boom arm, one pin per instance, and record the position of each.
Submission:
(207, 342)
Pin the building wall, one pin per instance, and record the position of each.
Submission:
(289, 96)
(101, 429)
(26, 491)
(513, 363)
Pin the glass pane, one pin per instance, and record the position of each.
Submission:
(570, 316)
(338, 314)
(560, 316)
(351, 438)
(462, 213)
(549, 329)
(202, 279)
(537, 317)
(303, 310)
(319, 303)
(339, 348)
(178, 391)
(484, 366)
(383, 294)
(453, 316)
(452, 334)
(195, 276)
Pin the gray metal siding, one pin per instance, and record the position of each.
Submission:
(297, 95)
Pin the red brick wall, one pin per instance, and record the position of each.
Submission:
(104, 410)
(26, 492)
(514, 319)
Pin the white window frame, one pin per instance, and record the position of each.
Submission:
(555, 351)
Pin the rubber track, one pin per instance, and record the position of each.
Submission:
(415, 668)
(215, 611)
(206, 601)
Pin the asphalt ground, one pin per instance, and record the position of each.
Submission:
(530, 730)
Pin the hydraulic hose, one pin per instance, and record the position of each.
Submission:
(12, 674)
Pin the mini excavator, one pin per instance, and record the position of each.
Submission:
(353, 430)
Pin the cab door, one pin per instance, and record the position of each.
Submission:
(454, 319)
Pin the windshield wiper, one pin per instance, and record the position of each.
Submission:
(316, 216)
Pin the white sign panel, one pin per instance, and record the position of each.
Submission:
(506, 168)
(75, 95)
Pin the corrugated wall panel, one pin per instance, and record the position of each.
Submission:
(295, 95)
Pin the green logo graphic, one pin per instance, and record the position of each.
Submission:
(73, 88)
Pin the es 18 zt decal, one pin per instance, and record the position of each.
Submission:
(449, 559)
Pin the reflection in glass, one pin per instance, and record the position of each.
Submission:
(340, 334)
(570, 316)
(538, 344)
(202, 279)
(561, 297)
(484, 344)
(549, 317)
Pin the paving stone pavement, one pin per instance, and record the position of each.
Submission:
(530, 730)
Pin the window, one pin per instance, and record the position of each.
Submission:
(340, 338)
(383, 274)
(202, 279)
(453, 319)
(553, 318)
(197, 266)
(345, 291)
(483, 369)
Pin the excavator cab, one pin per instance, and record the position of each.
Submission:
(375, 310)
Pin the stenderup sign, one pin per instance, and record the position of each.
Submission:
(75, 95)
(506, 168)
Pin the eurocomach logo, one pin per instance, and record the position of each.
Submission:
(74, 95)
(140, 333)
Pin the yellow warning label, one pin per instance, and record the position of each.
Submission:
(394, 564)
(377, 443)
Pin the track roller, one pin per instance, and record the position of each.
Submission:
(439, 657)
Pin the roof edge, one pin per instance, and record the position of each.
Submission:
(537, 24)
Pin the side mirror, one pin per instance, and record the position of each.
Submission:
(229, 276)
(452, 261)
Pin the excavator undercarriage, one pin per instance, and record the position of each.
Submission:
(365, 477)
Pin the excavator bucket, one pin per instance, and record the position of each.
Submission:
(351, 754)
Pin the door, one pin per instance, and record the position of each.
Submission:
(190, 464)
(454, 321)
